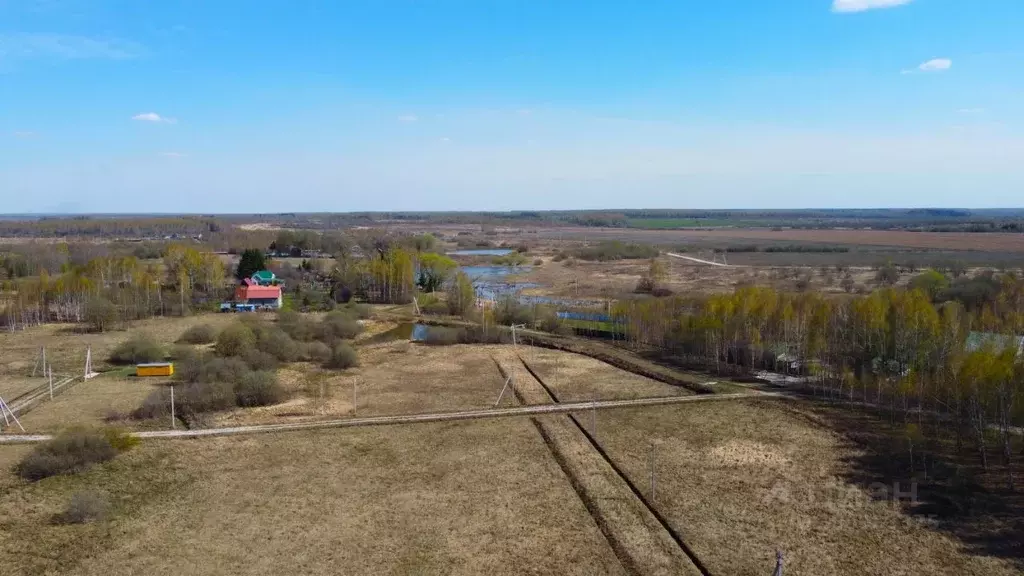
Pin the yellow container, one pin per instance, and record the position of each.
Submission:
(155, 369)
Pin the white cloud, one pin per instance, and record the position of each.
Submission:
(445, 140)
(65, 47)
(525, 112)
(173, 154)
(24, 134)
(847, 6)
(408, 118)
(972, 111)
(936, 65)
(933, 65)
(153, 117)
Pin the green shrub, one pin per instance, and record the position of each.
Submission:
(236, 340)
(200, 397)
(100, 314)
(121, 440)
(299, 327)
(199, 334)
(86, 506)
(139, 348)
(260, 360)
(342, 356)
(182, 353)
(223, 370)
(360, 311)
(510, 311)
(318, 352)
(258, 389)
(337, 325)
(71, 452)
(280, 345)
(156, 405)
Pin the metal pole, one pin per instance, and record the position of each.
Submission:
(51, 382)
(44, 357)
(173, 425)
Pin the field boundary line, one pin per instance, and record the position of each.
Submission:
(518, 411)
(622, 475)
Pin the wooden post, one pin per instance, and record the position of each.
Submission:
(4, 406)
(778, 563)
(173, 424)
(652, 472)
(355, 397)
(51, 382)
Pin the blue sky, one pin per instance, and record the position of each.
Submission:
(229, 106)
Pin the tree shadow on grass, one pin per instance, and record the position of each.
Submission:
(945, 489)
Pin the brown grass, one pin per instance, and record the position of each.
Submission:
(65, 348)
(741, 479)
(576, 378)
(995, 242)
(467, 498)
(90, 402)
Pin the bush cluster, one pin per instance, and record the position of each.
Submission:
(73, 451)
(240, 371)
(86, 506)
(137, 349)
(199, 334)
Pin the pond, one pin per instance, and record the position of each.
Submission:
(483, 252)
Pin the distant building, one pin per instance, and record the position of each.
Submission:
(264, 278)
(249, 292)
(994, 341)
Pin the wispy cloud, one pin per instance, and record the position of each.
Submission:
(408, 118)
(154, 117)
(65, 47)
(24, 134)
(933, 65)
(847, 6)
(173, 154)
(972, 111)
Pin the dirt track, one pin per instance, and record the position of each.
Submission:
(412, 418)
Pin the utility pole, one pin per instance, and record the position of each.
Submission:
(3, 407)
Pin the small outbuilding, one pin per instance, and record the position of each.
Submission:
(155, 369)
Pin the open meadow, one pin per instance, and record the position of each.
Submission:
(461, 498)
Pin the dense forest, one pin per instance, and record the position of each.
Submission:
(946, 363)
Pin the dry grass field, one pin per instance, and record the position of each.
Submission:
(576, 378)
(466, 498)
(394, 377)
(90, 402)
(742, 479)
(66, 347)
(992, 242)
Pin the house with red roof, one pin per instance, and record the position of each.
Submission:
(249, 291)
